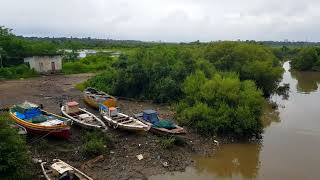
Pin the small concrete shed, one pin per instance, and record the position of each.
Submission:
(45, 64)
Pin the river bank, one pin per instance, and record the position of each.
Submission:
(290, 143)
(120, 162)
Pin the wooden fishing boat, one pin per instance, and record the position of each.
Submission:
(60, 170)
(81, 116)
(151, 118)
(119, 120)
(38, 121)
(93, 97)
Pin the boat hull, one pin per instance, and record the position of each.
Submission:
(82, 124)
(162, 131)
(60, 131)
(109, 102)
(90, 102)
(139, 126)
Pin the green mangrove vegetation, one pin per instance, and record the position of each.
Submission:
(218, 88)
(92, 63)
(307, 59)
(14, 158)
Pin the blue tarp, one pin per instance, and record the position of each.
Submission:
(30, 113)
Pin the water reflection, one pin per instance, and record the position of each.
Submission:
(232, 160)
(307, 81)
(269, 115)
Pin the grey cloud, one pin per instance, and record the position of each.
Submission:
(167, 20)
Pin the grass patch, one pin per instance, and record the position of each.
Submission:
(92, 63)
(167, 142)
(95, 143)
(82, 86)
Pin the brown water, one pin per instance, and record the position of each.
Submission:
(290, 148)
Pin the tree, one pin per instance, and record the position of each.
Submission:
(250, 61)
(2, 56)
(306, 59)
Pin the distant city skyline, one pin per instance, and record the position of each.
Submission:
(165, 20)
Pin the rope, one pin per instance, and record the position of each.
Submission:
(41, 137)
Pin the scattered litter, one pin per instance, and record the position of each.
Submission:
(105, 146)
(139, 145)
(165, 164)
(111, 152)
(36, 160)
(140, 157)
(158, 157)
(216, 142)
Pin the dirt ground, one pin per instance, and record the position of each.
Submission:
(120, 162)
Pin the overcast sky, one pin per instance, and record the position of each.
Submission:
(165, 20)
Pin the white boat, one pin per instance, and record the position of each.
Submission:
(81, 116)
(122, 121)
(61, 170)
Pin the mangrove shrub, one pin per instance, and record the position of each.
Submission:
(308, 58)
(221, 105)
(251, 61)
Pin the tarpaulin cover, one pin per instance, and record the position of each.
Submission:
(164, 124)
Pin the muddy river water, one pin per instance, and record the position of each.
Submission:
(290, 148)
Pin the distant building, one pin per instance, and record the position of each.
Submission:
(45, 64)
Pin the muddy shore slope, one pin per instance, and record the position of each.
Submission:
(120, 161)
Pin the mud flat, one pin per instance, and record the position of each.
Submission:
(120, 161)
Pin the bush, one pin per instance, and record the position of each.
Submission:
(151, 73)
(82, 86)
(21, 71)
(308, 58)
(94, 143)
(251, 61)
(93, 63)
(105, 81)
(14, 159)
(221, 105)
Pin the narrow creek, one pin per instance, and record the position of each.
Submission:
(290, 148)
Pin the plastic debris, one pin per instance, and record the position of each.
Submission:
(165, 164)
(36, 160)
(216, 142)
(140, 157)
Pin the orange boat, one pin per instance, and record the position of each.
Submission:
(38, 121)
(94, 97)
